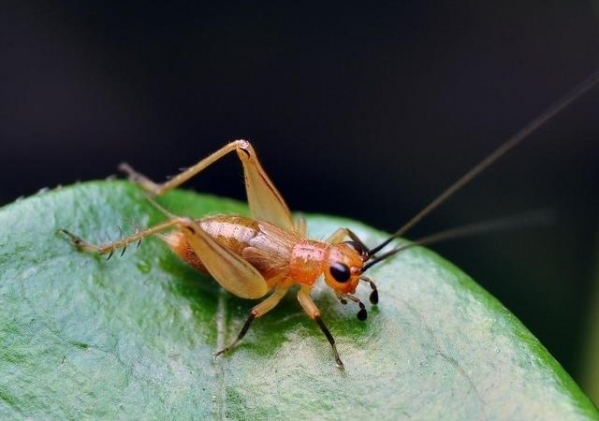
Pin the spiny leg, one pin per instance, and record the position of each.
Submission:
(265, 201)
(259, 310)
(182, 177)
(310, 308)
(83, 245)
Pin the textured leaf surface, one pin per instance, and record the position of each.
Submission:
(134, 337)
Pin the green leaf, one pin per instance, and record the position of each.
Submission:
(134, 337)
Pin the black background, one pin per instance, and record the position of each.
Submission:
(361, 109)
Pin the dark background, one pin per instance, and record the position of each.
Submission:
(362, 110)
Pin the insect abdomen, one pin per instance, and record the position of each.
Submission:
(263, 245)
(233, 232)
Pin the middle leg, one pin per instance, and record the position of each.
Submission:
(259, 310)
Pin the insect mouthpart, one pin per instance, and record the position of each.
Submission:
(373, 298)
(362, 313)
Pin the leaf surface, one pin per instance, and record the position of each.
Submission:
(134, 337)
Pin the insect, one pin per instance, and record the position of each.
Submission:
(269, 253)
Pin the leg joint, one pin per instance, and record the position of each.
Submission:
(242, 145)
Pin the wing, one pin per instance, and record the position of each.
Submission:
(230, 270)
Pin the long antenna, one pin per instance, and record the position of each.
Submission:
(512, 142)
(540, 217)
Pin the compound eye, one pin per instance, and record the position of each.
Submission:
(356, 246)
(340, 272)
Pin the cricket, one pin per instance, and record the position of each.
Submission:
(267, 254)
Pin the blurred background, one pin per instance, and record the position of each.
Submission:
(361, 110)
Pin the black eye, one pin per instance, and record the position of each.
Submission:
(340, 272)
(356, 246)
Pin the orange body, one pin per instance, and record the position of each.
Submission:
(260, 257)
(281, 257)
